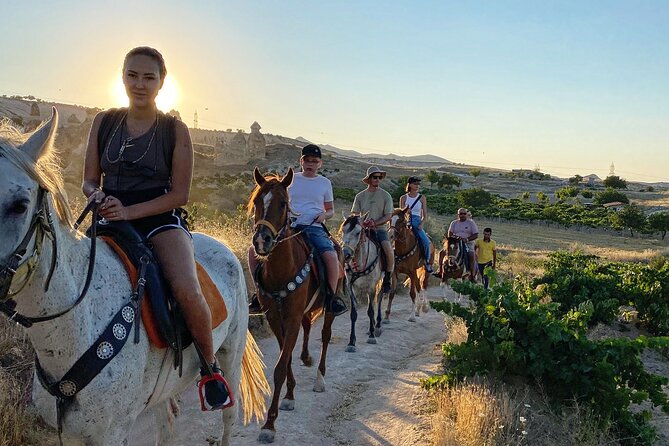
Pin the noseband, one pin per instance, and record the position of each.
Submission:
(40, 225)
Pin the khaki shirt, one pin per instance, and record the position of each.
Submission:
(378, 204)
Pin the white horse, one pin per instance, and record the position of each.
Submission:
(140, 378)
(363, 275)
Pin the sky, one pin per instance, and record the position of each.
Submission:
(569, 87)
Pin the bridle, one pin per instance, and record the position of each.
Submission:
(278, 235)
(41, 225)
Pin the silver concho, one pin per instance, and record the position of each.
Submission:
(105, 350)
(67, 388)
(283, 293)
(307, 267)
(119, 331)
(291, 286)
(299, 279)
(128, 314)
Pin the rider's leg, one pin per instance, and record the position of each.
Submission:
(254, 306)
(174, 250)
(320, 241)
(390, 265)
(472, 266)
(334, 302)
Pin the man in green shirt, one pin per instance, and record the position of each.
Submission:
(378, 205)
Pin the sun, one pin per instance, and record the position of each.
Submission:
(166, 100)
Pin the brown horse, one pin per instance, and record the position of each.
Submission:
(409, 260)
(288, 288)
(455, 264)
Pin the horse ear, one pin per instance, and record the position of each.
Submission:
(260, 180)
(41, 141)
(287, 180)
(406, 209)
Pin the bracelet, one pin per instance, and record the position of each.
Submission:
(97, 189)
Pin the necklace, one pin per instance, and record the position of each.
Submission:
(127, 142)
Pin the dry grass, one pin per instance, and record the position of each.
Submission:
(456, 330)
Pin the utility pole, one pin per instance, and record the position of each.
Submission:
(195, 120)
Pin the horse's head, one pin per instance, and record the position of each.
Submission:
(453, 249)
(352, 233)
(399, 223)
(269, 205)
(27, 172)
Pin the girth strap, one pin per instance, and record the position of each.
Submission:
(398, 259)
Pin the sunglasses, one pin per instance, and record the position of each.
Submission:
(462, 213)
(376, 177)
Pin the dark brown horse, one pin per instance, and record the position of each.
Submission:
(288, 288)
(409, 260)
(455, 264)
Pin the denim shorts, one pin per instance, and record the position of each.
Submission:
(317, 236)
(382, 234)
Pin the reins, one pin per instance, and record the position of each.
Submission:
(42, 219)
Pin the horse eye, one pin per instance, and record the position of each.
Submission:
(18, 207)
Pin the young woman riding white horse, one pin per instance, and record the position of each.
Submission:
(43, 269)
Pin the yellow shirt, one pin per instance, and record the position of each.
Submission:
(485, 250)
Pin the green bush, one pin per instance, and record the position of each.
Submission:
(513, 334)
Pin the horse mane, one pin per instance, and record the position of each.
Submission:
(46, 170)
(270, 180)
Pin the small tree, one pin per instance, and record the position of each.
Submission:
(631, 217)
(615, 182)
(659, 222)
(433, 177)
(542, 197)
(525, 196)
(586, 194)
(448, 180)
(610, 195)
(566, 192)
(475, 172)
(575, 180)
(475, 198)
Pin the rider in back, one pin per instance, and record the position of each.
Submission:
(418, 209)
(145, 161)
(311, 202)
(466, 230)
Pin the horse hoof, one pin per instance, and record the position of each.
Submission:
(385, 321)
(308, 362)
(378, 332)
(426, 307)
(350, 348)
(371, 340)
(417, 313)
(287, 404)
(319, 385)
(412, 319)
(266, 436)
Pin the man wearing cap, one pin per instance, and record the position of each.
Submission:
(377, 204)
(465, 229)
(417, 205)
(311, 200)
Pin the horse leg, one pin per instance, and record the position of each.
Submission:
(370, 313)
(306, 329)
(354, 317)
(268, 432)
(326, 335)
(391, 295)
(288, 401)
(229, 357)
(413, 278)
(379, 303)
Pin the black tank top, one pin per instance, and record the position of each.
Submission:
(136, 164)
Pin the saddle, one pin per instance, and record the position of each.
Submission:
(382, 254)
(320, 268)
(163, 322)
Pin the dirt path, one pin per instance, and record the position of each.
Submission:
(372, 396)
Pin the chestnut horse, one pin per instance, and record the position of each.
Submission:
(288, 288)
(409, 260)
(455, 264)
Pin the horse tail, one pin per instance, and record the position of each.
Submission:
(254, 387)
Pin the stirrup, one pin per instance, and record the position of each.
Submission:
(336, 305)
(214, 391)
(255, 309)
(386, 284)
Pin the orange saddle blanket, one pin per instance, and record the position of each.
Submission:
(212, 295)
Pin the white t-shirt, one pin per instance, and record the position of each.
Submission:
(308, 196)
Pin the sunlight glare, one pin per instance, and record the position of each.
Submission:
(165, 101)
